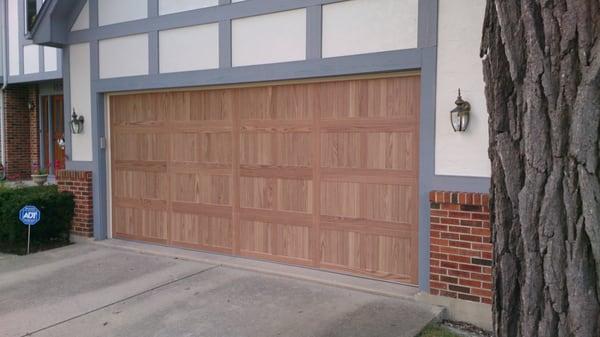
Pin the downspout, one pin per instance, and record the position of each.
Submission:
(4, 83)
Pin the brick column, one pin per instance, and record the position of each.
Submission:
(461, 249)
(22, 130)
(80, 184)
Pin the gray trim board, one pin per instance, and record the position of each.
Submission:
(152, 8)
(225, 56)
(153, 53)
(67, 103)
(426, 161)
(428, 19)
(314, 32)
(35, 77)
(93, 4)
(461, 184)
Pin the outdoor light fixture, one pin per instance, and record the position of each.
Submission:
(76, 123)
(459, 116)
(30, 105)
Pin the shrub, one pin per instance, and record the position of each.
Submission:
(57, 210)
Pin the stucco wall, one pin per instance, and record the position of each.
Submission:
(79, 63)
(115, 11)
(459, 65)
(270, 38)
(124, 56)
(189, 48)
(14, 49)
(175, 6)
(367, 26)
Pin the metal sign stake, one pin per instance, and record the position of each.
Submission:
(28, 238)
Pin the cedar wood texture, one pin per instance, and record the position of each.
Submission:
(314, 174)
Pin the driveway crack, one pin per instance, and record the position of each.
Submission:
(121, 300)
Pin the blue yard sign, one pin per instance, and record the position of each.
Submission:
(29, 216)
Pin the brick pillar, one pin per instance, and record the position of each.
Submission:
(461, 249)
(21, 125)
(80, 184)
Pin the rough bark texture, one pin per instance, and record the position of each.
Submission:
(542, 69)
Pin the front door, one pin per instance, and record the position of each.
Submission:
(53, 130)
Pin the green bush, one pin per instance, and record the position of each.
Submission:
(57, 210)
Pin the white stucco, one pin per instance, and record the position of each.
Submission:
(270, 38)
(124, 56)
(368, 26)
(31, 59)
(459, 65)
(175, 6)
(83, 19)
(50, 59)
(81, 101)
(14, 52)
(189, 48)
(115, 11)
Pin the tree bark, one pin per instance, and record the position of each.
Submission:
(541, 63)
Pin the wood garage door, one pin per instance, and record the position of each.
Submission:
(316, 174)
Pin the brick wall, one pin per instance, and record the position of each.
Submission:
(80, 184)
(22, 136)
(461, 249)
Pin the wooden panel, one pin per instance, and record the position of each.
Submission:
(201, 230)
(316, 174)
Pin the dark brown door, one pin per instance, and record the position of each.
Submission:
(53, 116)
(315, 174)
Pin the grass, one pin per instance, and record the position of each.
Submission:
(433, 330)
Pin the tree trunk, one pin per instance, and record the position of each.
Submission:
(542, 72)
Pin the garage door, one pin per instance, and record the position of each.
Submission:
(314, 174)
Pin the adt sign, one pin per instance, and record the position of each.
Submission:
(30, 215)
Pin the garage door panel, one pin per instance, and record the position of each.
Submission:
(391, 151)
(276, 149)
(373, 99)
(381, 256)
(283, 240)
(131, 184)
(210, 106)
(201, 188)
(341, 150)
(141, 223)
(208, 148)
(137, 109)
(201, 230)
(356, 200)
(294, 195)
(318, 174)
(293, 102)
(141, 147)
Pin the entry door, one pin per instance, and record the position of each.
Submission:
(53, 130)
(315, 174)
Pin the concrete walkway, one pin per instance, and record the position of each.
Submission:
(97, 290)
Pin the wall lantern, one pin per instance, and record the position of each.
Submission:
(30, 105)
(76, 123)
(459, 116)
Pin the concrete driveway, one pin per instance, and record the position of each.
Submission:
(93, 290)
